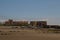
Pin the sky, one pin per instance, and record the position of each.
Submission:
(48, 10)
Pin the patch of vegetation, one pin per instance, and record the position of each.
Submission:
(53, 31)
(3, 34)
(0, 31)
(10, 31)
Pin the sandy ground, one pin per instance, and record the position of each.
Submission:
(18, 34)
(26, 34)
(29, 36)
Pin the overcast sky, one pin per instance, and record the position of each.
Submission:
(48, 10)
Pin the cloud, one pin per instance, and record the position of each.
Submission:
(53, 21)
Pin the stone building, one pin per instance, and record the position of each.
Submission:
(38, 23)
(16, 23)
